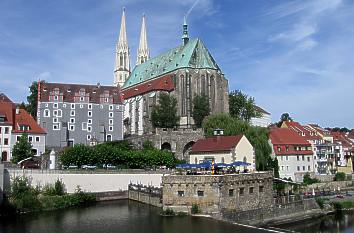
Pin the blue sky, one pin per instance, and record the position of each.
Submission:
(292, 56)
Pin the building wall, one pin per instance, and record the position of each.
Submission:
(218, 157)
(290, 165)
(3, 136)
(38, 141)
(217, 192)
(99, 123)
(244, 151)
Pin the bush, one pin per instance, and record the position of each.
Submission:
(320, 202)
(168, 212)
(195, 209)
(307, 180)
(54, 190)
(339, 176)
(23, 196)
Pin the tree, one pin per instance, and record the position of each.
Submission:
(201, 109)
(164, 114)
(32, 99)
(22, 149)
(257, 136)
(284, 117)
(242, 106)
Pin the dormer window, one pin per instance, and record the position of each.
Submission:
(24, 127)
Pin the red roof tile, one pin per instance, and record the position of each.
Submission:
(7, 108)
(216, 143)
(341, 137)
(164, 83)
(305, 131)
(24, 118)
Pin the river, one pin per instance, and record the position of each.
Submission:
(132, 217)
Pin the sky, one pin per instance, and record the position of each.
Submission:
(291, 56)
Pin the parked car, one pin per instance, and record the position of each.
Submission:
(89, 167)
(30, 164)
(72, 167)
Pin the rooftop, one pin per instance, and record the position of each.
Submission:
(216, 143)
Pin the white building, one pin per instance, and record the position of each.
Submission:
(13, 123)
(264, 121)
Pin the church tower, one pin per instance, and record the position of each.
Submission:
(122, 64)
(143, 50)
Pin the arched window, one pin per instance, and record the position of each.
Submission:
(121, 59)
(4, 156)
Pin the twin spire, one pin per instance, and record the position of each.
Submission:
(122, 64)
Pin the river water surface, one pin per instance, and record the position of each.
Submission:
(133, 217)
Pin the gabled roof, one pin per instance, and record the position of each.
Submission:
(305, 131)
(7, 108)
(70, 91)
(24, 118)
(341, 137)
(216, 143)
(285, 136)
(261, 110)
(192, 55)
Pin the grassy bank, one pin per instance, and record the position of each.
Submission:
(24, 198)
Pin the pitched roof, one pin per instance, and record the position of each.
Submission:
(261, 110)
(341, 137)
(305, 131)
(192, 55)
(286, 136)
(7, 108)
(69, 92)
(24, 118)
(216, 143)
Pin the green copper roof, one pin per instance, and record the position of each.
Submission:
(192, 55)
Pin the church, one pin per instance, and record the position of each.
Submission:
(184, 72)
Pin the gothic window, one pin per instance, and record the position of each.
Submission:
(121, 59)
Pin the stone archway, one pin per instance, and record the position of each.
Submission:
(166, 146)
(4, 156)
(186, 149)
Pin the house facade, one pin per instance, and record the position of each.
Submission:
(264, 120)
(223, 149)
(293, 152)
(13, 123)
(79, 114)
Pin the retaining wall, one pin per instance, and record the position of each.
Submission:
(88, 182)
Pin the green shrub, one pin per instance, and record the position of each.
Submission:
(339, 176)
(320, 202)
(195, 209)
(168, 212)
(307, 180)
(23, 196)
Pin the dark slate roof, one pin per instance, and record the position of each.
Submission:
(70, 91)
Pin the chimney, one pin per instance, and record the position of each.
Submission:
(17, 110)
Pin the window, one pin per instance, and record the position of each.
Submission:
(303, 158)
(59, 113)
(110, 128)
(55, 97)
(89, 137)
(64, 105)
(111, 121)
(298, 158)
(180, 193)
(106, 100)
(287, 168)
(90, 106)
(55, 120)
(279, 149)
(282, 168)
(111, 107)
(298, 168)
(251, 190)
(46, 113)
(72, 106)
(72, 113)
(89, 113)
(200, 193)
(70, 143)
(287, 158)
(303, 168)
(72, 127)
(81, 99)
(231, 192)
(6, 141)
(84, 125)
(109, 138)
(18, 138)
(89, 121)
(55, 105)
(30, 139)
(261, 189)
(101, 106)
(287, 148)
(111, 114)
(72, 120)
(309, 168)
(308, 159)
(117, 107)
(7, 130)
(242, 191)
(56, 127)
(89, 128)
(81, 105)
(55, 113)
(37, 139)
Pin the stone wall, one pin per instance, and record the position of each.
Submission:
(214, 192)
(327, 186)
(145, 194)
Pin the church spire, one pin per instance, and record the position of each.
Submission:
(185, 37)
(143, 51)
(122, 64)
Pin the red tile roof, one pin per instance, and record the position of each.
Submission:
(216, 143)
(305, 131)
(164, 83)
(341, 137)
(287, 138)
(24, 118)
(8, 108)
